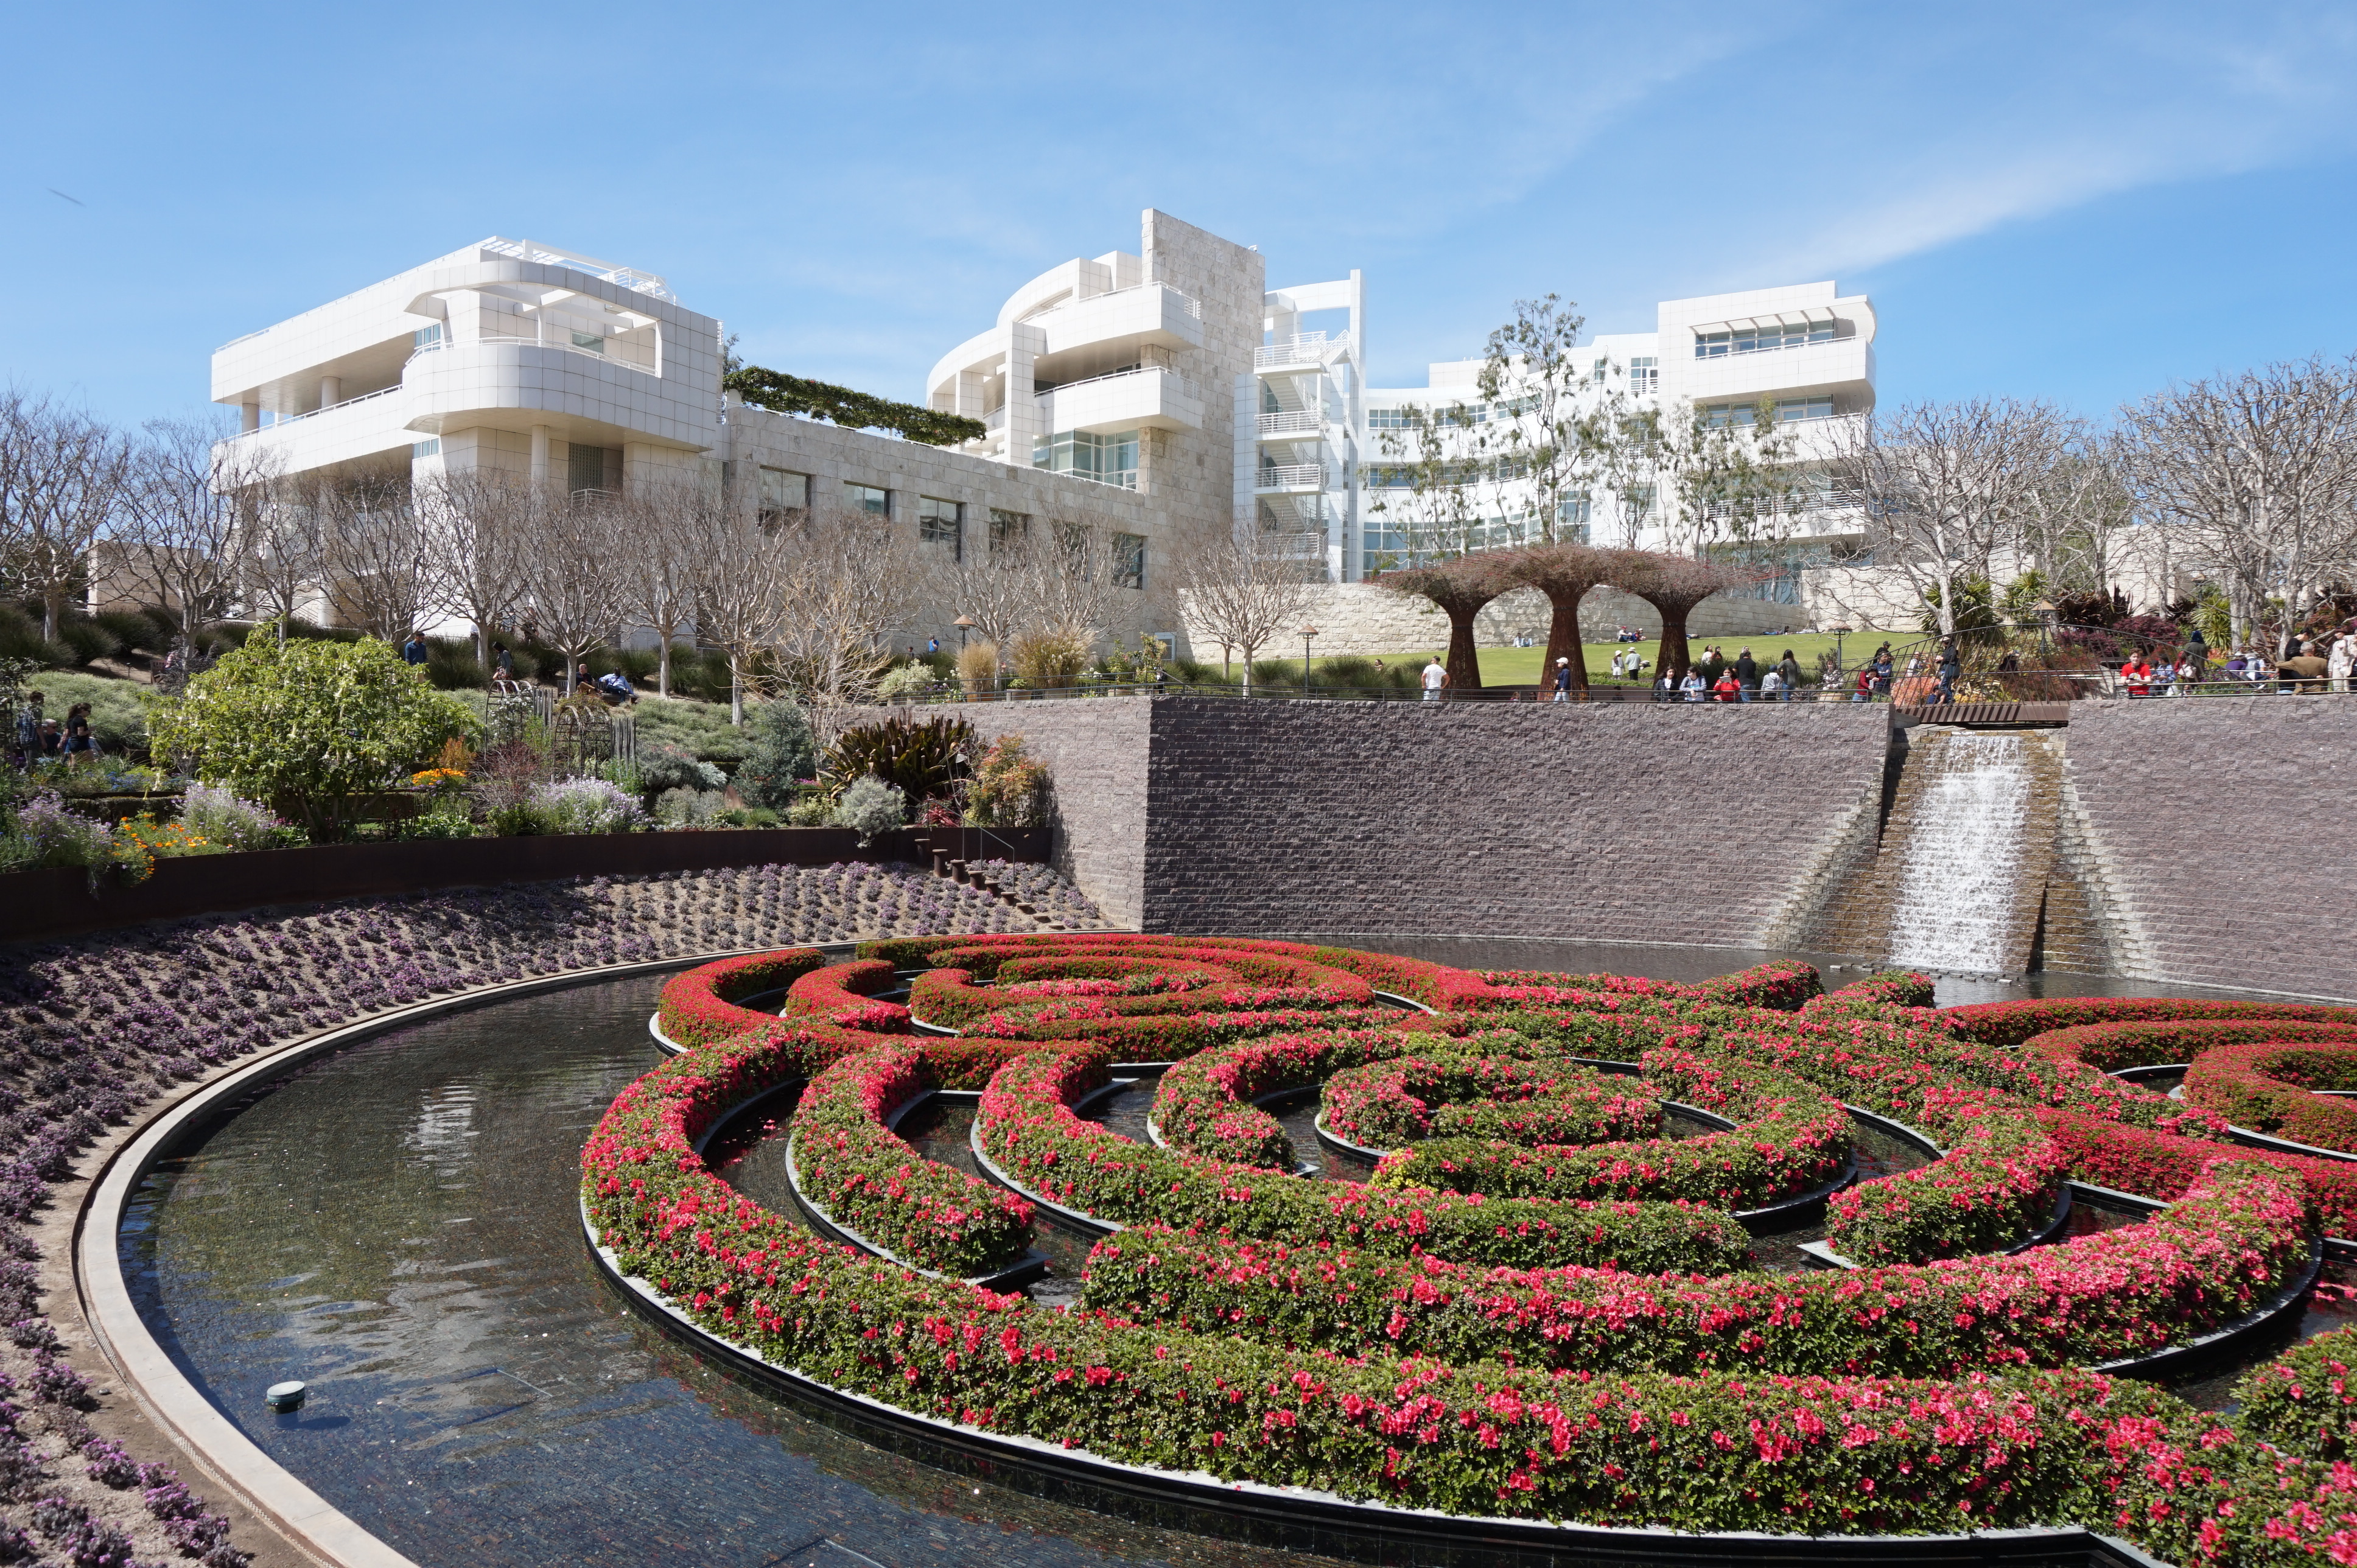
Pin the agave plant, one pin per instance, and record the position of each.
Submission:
(924, 761)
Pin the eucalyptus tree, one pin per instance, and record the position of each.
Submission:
(1531, 383)
(1441, 453)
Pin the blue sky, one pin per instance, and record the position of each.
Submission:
(2074, 201)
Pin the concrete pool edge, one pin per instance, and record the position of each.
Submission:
(178, 1412)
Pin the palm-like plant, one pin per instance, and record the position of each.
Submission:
(924, 761)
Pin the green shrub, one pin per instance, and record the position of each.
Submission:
(784, 753)
(309, 726)
(922, 760)
(870, 807)
(700, 729)
(1010, 789)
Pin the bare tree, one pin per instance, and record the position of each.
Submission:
(1066, 572)
(62, 476)
(283, 527)
(1460, 587)
(745, 570)
(480, 521)
(1237, 591)
(573, 580)
(180, 541)
(851, 582)
(658, 560)
(1944, 488)
(1673, 585)
(990, 587)
(2260, 471)
(383, 571)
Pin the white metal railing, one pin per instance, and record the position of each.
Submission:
(629, 278)
(1185, 383)
(1290, 476)
(995, 419)
(530, 340)
(1305, 420)
(1308, 348)
(1724, 351)
(286, 419)
(1188, 304)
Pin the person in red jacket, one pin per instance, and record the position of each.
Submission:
(2137, 675)
(1729, 689)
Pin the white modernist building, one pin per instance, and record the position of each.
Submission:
(1161, 395)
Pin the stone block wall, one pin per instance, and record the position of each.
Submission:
(1361, 618)
(2222, 830)
(1605, 821)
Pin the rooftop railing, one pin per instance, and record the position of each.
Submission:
(1185, 384)
(286, 419)
(629, 278)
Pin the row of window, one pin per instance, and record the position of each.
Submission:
(1109, 458)
(1754, 339)
(942, 521)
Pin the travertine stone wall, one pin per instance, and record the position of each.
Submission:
(1194, 482)
(1361, 618)
(1608, 822)
(2222, 830)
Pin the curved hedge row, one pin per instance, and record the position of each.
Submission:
(699, 1008)
(1485, 1355)
(2111, 1047)
(867, 1179)
(2269, 1088)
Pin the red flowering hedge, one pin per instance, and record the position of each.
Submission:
(699, 1006)
(2000, 1183)
(2268, 1089)
(1789, 1139)
(2112, 1046)
(844, 994)
(2305, 1400)
(2011, 1023)
(1026, 1127)
(2232, 1244)
(1471, 1093)
(869, 1181)
(1204, 1105)
(1351, 1291)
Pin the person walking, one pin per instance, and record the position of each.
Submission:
(413, 650)
(1747, 676)
(28, 729)
(1619, 664)
(2342, 661)
(503, 662)
(1950, 666)
(1789, 669)
(1563, 680)
(1435, 680)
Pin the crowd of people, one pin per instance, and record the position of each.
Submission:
(1714, 678)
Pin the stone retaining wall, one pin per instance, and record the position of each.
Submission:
(2225, 831)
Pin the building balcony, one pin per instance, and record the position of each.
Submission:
(518, 384)
(1291, 424)
(367, 426)
(1309, 350)
(1153, 398)
(1289, 478)
(1843, 367)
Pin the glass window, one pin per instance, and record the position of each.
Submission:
(1129, 561)
(594, 342)
(782, 491)
(1008, 530)
(1572, 511)
(1757, 340)
(1110, 457)
(941, 522)
(1645, 374)
(1788, 409)
(1603, 368)
(586, 468)
(866, 498)
(429, 447)
(1390, 418)
(425, 338)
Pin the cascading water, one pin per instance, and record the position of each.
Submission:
(1958, 882)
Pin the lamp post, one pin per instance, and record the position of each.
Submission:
(2046, 613)
(1306, 633)
(1839, 632)
(964, 624)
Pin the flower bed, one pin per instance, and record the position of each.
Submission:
(2231, 1245)
(1468, 1094)
(1027, 1126)
(2109, 1047)
(698, 1008)
(867, 1178)
(843, 993)
(2268, 1087)
(1547, 1359)
(2012, 1023)
(1789, 1139)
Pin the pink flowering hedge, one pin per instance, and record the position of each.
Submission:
(2109, 1047)
(2012, 1023)
(1538, 1357)
(2233, 1243)
(1468, 1092)
(2268, 1087)
(1789, 1139)
(844, 994)
(1028, 1127)
(699, 1007)
(869, 1180)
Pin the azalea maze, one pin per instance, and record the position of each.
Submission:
(1545, 1299)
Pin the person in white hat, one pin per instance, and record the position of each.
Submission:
(1563, 680)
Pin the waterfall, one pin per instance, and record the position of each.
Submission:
(1956, 889)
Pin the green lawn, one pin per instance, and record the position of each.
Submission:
(1520, 666)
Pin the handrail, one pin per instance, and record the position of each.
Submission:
(286, 419)
(1308, 347)
(1308, 419)
(521, 340)
(1186, 382)
(1288, 476)
(1732, 353)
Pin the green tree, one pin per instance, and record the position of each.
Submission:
(784, 752)
(311, 726)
